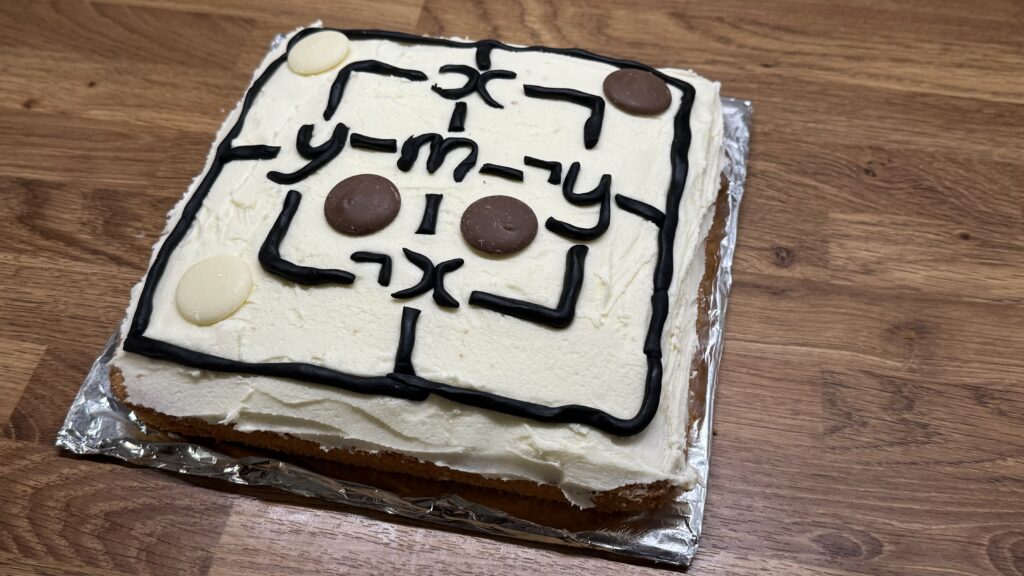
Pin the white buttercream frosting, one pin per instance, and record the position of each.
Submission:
(596, 361)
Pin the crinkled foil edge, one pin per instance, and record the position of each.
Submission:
(97, 424)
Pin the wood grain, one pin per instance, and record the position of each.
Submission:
(871, 405)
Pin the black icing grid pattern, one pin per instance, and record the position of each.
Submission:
(402, 382)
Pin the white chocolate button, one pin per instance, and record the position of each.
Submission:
(318, 52)
(212, 289)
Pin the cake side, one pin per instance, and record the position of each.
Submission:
(579, 459)
(623, 499)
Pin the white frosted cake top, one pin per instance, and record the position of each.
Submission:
(598, 358)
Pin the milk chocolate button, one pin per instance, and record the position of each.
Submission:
(362, 204)
(637, 92)
(212, 289)
(499, 225)
(318, 52)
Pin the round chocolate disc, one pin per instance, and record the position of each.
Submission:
(362, 204)
(318, 52)
(499, 225)
(637, 91)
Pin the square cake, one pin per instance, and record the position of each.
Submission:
(459, 260)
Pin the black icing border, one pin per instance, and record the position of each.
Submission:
(403, 383)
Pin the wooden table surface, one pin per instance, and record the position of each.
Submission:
(870, 416)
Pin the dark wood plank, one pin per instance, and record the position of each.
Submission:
(58, 513)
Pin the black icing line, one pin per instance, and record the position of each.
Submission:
(475, 82)
(406, 341)
(659, 313)
(558, 317)
(426, 283)
(565, 414)
(365, 66)
(432, 279)
(592, 127)
(270, 252)
(439, 149)
(137, 342)
(327, 152)
(641, 209)
(584, 198)
(441, 295)
(293, 370)
(472, 77)
(254, 152)
(304, 141)
(375, 144)
(429, 221)
(384, 276)
(554, 168)
(458, 121)
(502, 171)
(481, 85)
(578, 233)
(483, 54)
